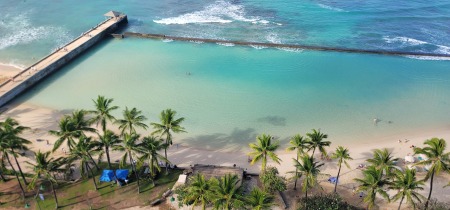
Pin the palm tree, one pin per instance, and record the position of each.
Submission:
(316, 141)
(102, 112)
(149, 148)
(82, 151)
(342, 155)
(130, 148)
(5, 156)
(44, 167)
(310, 170)
(199, 190)
(300, 144)
(168, 124)
(407, 186)
(131, 119)
(71, 127)
(107, 140)
(259, 200)
(382, 159)
(373, 183)
(264, 148)
(437, 158)
(227, 192)
(12, 130)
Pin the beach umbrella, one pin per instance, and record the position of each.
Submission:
(422, 157)
(409, 159)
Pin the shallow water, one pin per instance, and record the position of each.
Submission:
(231, 94)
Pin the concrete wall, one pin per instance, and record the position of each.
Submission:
(57, 64)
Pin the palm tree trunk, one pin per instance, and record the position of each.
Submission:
(135, 172)
(93, 161)
(3, 177)
(337, 178)
(314, 150)
(54, 194)
(17, 177)
(401, 202)
(107, 157)
(296, 175)
(92, 174)
(263, 165)
(165, 155)
(18, 166)
(306, 198)
(431, 189)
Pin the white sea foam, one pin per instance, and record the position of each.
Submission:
(167, 40)
(226, 44)
(19, 30)
(197, 42)
(219, 12)
(273, 38)
(258, 47)
(442, 49)
(288, 49)
(14, 65)
(403, 40)
(331, 8)
(430, 58)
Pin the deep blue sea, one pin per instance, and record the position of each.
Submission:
(235, 93)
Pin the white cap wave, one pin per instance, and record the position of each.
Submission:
(15, 30)
(218, 12)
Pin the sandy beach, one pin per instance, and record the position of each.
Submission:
(42, 119)
(7, 71)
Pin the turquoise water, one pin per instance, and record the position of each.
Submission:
(235, 93)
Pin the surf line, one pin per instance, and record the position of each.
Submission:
(291, 46)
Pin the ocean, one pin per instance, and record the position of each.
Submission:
(230, 94)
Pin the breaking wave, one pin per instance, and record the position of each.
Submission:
(17, 30)
(331, 8)
(406, 41)
(218, 12)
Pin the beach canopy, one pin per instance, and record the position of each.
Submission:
(122, 173)
(333, 180)
(112, 14)
(107, 176)
(409, 159)
(422, 157)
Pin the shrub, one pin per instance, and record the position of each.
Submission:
(326, 202)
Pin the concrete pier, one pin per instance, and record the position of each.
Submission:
(290, 46)
(55, 60)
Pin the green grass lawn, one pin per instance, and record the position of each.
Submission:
(82, 195)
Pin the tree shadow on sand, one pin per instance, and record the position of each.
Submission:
(219, 141)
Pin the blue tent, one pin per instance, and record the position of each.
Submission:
(107, 176)
(122, 173)
(333, 180)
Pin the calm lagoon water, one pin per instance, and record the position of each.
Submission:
(234, 93)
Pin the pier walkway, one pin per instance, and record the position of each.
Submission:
(52, 62)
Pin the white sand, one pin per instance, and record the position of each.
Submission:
(42, 119)
(8, 71)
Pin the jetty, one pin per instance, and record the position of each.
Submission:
(60, 57)
(284, 46)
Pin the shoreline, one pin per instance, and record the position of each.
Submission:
(42, 119)
(7, 71)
